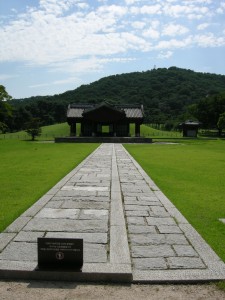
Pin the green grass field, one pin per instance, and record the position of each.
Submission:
(192, 176)
(48, 133)
(29, 169)
(63, 129)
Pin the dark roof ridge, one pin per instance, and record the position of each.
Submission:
(95, 105)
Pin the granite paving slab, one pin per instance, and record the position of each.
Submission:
(164, 247)
(131, 230)
(79, 207)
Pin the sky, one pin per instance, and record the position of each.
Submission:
(50, 46)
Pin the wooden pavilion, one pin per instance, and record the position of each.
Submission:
(104, 120)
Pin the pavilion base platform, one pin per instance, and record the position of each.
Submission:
(120, 140)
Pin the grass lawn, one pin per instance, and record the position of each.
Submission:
(192, 175)
(155, 133)
(30, 169)
(63, 129)
(47, 133)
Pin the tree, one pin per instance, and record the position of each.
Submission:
(5, 109)
(33, 128)
(20, 117)
(209, 109)
(221, 123)
(4, 96)
(3, 127)
(165, 94)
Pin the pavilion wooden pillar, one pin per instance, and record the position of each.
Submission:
(128, 129)
(73, 129)
(81, 128)
(94, 129)
(137, 129)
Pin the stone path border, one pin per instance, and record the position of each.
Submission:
(215, 268)
(117, 269)
(110, 201)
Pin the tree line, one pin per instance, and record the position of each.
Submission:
(169, 96)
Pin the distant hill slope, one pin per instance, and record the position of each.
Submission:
(165, 93)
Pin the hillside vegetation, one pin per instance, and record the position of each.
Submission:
(165, 93)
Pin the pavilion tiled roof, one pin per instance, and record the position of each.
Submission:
(132, 111)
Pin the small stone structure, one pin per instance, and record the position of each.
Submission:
(190, 128)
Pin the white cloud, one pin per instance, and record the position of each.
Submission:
(70, 34)
(165, 55)
(146, 9)
(39, 85)
(134, 42)
(88, 65)
(14, 10)
(55, 82)
(43, 38)
(151, 9)
(174, 30)
(209, 40)
(195, 16)
(155, 24)
(221, 8)
(55, 7)
(138, 25)
(174, 44)
(178, 10)
(194, 2)
(65, 81)
(112, 10)
(130, 2)
(6, 76)
(83, 5)
(151, 33)
(203, 26)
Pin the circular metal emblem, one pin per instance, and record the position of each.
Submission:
(59, 255)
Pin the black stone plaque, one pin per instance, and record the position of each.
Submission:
(60, 253)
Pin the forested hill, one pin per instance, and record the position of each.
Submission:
(165, 94)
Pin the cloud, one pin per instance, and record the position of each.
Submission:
(83, 5)
(4, 77)
(88, 65)
(188, 10)
(165, 55)
(138, 25)
(155, 24)
(130, 2)
(209, 40)
(146, 9)
(55, 82)
(58, 7)
(194, 2)
(43, 38)
(203, 26)
(221, 8)
(174, 30)
(71, 34)
(151, 9)
(151, 33)
(174, 44)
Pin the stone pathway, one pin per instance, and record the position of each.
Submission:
(131, 231)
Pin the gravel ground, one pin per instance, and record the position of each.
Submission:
(24, 290)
